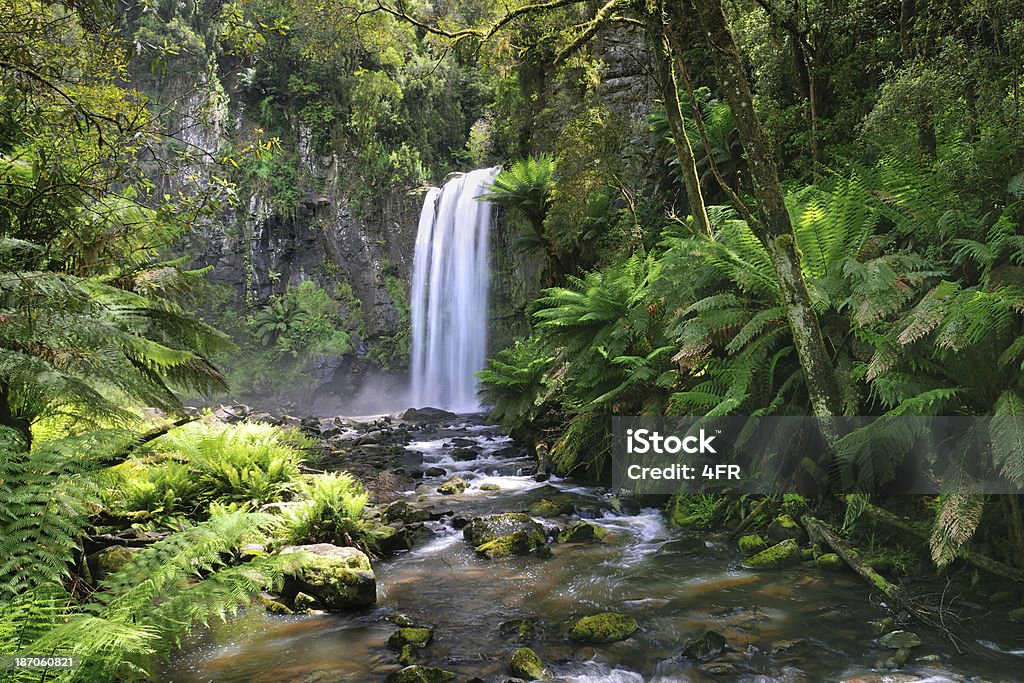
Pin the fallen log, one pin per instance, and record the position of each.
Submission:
(982, 562)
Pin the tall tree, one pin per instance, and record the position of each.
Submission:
(773, 225)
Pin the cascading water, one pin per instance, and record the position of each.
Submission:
(451, 271)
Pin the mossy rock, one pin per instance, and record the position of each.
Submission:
(784, 528)
(401, 511)
(581, 532)
(111, 560)
(782, 554)
(519, 543)
(464, 454)
(899, 640)
(420, 674)
(339, 577)
(489, 487)
(415, 636)
(606, 627)
(707, 646)
(525, 663)
(480, 530)
(1017, 615)
(390, 540)
(551, 507)
(407, 656)
(752, 544)
(453, 486)
(520, 630)
(274, 607)
(830, 562)
(304, 602)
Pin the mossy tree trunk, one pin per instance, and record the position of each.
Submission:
(773, 226)
(667, 19)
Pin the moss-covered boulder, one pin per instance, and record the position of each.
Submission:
(481, 530)
(420, 674)
(1017, 615)
(899, 640)
(407, 656)
(784, 528)
(401, 511)
(305, 603)
(452, 486)
(490, 486)
(551, 507)
(519, 630)
(526, 664)
(782, 554)
(752, 544)
(830, 562)
(415, 636)
(464, 454)
(274, 606)
(706, 646)
(390, 539)
(340, 578)
(581, 532)
(519, 543)
(606, 627)
(110, 560)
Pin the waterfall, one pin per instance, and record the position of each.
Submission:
(451, 271)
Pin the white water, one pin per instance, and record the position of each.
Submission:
(451, 273)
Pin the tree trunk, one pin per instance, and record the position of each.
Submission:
(774, 227)
(670, 92)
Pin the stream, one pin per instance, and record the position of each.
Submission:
(787, 625)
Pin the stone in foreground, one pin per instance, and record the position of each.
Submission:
(453, 486)
(606, 627)
(340, 578)
(482, 530)
(519, 543)
(705, 647)
(420, 674)
(526, 664)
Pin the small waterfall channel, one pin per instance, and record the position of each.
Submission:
(451, 274)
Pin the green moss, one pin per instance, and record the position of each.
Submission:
(1017, 615)
(830, 562)
(519, 543)
(420, 674)
(410, 635)
(782, 554)
(480, 530)
(525, 663)
(547, 507)
(783, 527)
(519, 630)
(581, 532)
(606, 627)
(452, 486)
(752, 544)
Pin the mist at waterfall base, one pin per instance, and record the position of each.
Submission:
(451, 276)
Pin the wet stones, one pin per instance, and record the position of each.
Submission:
(504, 535)
(581, 532)
(420, 674)
(784, 528)
(751, 545)
(607, 627)
(453, 486)
(551, 507)
(338, 578)
(526, 664)
(784, 554)
(707, 646)
(519, 630)
(401, 511)
(898, 640)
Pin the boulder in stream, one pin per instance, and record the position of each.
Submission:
(421, 415)
(340, 578)
(781, 554)
(518, 543)
(581, 532)
(551, 507)
(453, 486)
(401, 511)
(420, 674)
(785, 528)
(899, 640)
(606, 627)
(751, 544)
(415, 636)
(526, 664)
(481, 530)
(519, 630)
(706, 646)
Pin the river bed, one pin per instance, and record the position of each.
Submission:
(788, 625)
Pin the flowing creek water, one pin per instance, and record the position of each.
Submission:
(783, 625)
